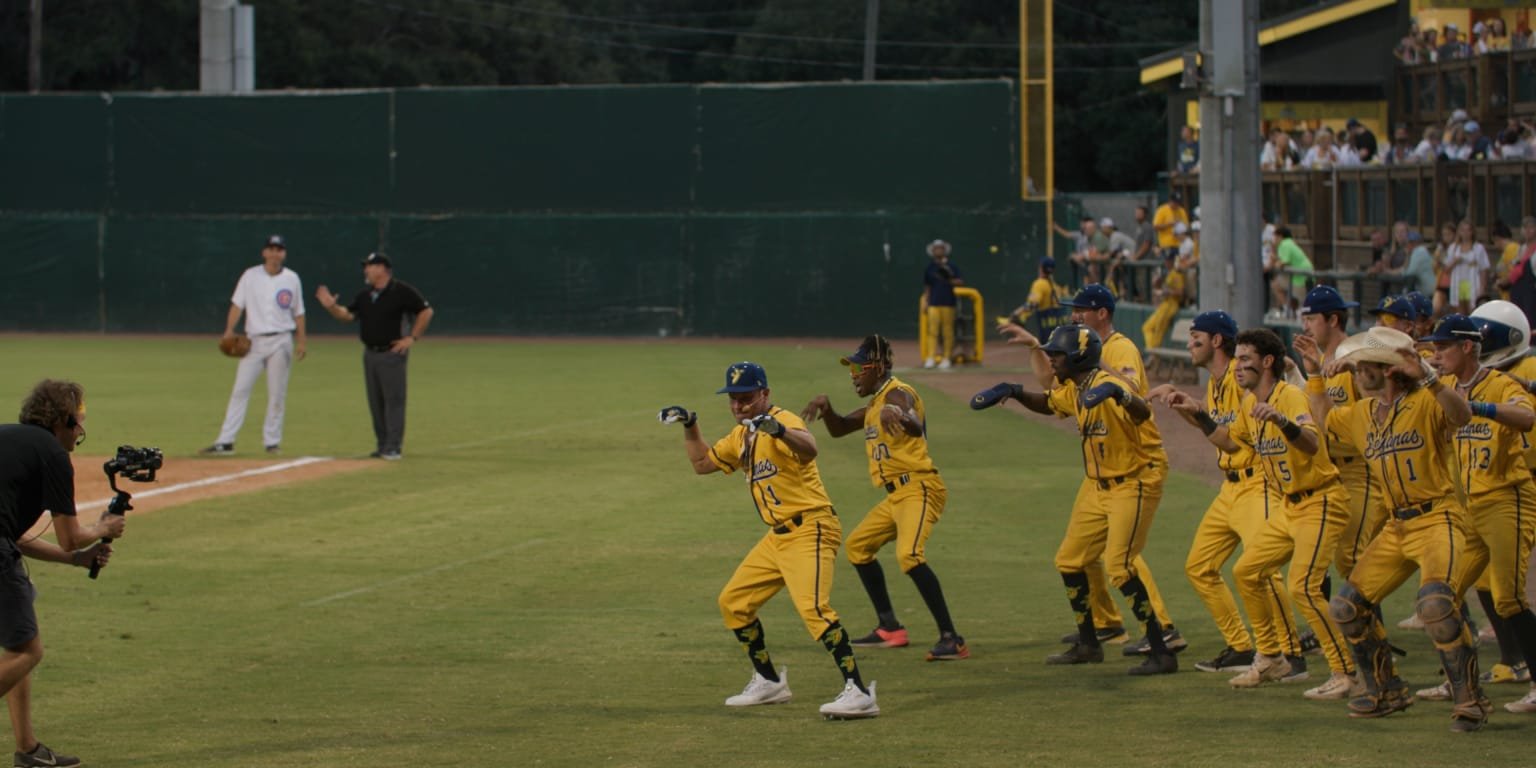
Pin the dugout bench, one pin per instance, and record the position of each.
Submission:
(1170, 360)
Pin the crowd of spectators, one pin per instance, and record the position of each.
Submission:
(1427, 45)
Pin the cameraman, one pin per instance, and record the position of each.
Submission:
(36, 475)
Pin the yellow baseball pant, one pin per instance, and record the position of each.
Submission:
(1306, 536)
(1109, 522)
(1239, 513)
(941, 325)
(800, 561)
(1156, 326)
(1105, 612)
(906, 516)
(1503, 526)
(1367, 512)
(1432, 543)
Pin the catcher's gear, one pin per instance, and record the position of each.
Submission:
(990, 397)
(1506, 332)
(1079, 343)
(235, 346)
(766, 424)
(1106, 391)
(676, 414)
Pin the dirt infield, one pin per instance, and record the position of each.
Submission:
(184, 480)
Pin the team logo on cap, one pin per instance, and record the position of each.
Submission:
(736, 375)
(1082, 339)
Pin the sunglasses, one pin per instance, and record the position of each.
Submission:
(860, 368)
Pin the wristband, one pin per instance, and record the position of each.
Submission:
(1206, 424)
(1485, 410)
(1291, 430)
(693, 418)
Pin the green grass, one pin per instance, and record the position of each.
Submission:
(535, 585)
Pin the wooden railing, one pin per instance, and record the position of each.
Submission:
(1492, 88)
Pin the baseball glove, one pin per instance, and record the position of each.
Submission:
(235, 346)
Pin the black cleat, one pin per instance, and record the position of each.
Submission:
(1105, 635)
(1078, 654)
(1156, 664)
(1142, 647)
(1228, 661)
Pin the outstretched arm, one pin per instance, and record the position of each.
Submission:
(820, 407)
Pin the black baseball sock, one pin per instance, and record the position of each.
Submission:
(1509, 646)
(872, 576)
(1082, 612)
(756, 645)
(1327, 587)
(1523, 626)
(928, 586)
(1141, 605)
(836, 641)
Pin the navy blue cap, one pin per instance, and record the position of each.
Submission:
(1455, 327)
(378, 257)
(1326, 298)
(744, 377)
(1093, 296)
(1399, 306)
(874, 349)
(276, 241)
(1048, 264)
(1217, 323)
(1421, 304)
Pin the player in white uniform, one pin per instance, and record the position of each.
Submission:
(272, 299)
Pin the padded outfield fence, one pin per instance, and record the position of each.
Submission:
(699, 209)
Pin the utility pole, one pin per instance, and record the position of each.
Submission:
(1231, 277)
(35, 48)
(871, 24)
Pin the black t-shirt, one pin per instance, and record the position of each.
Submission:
(35, 475)
(385, 316)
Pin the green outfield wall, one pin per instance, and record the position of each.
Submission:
(688, 209)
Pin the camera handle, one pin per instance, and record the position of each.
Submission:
(118, 506)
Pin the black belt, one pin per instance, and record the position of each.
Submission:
(1237, 475)
(789, 525)
(274, 333)
(1347, 459)
(1409, 513)
(1105, 483)
(891, 486)
(377, 347)
(1295, 498)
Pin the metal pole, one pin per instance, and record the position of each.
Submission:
(35, 48)
(1231, 277)
(871, 24)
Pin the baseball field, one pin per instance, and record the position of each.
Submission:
(534, 584)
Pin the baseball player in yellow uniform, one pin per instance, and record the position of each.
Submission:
(1115, 504)
(778, 455)
(1094, 307)
(894, 425)
(1240, 511)
(1172, 291)
(1045, 296)
(1403, 434)
(1275, 423)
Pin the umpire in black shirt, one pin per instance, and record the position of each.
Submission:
(36, 476)
(392, 316)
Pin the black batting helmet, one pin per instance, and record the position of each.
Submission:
(1079, 343)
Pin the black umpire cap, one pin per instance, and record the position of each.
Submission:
(378, 257)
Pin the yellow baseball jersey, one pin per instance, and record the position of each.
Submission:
(1491, 455)
(1120, 354)
(1525, 368)
(1045, 294)
(1408, 447)
(1223, 399)
(1341, 390)
(780, 483)
(1173, 286)
(1286, 469)
(1112, 445)
(893, 454)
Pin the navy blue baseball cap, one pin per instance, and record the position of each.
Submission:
(1093, 296)
(1421, 304)
(276, 241)
(1399, 306)
(874, 349)
(744, 377)
(1217, 323)
(1048, 264)
(1455, 327)
(1326, 298)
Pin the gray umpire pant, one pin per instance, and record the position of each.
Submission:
(384, 375)
(272, 352)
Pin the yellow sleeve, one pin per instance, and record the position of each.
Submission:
(726, 453)
(1063, 400)
(1341, 423)
(1121, 356)
(1041, 295)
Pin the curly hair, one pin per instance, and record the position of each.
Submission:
(1266, 343)
(52, 403)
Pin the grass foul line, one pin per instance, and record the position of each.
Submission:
(214, 480)
(418, 575)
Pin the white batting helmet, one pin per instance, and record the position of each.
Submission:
(1506, 332)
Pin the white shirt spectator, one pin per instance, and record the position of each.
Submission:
(1467, 267)
(1328, 156)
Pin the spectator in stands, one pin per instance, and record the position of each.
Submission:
(1120, 247)
(1169, 214)
(1291, 268)
(1085, 253)
(1391, 256)
(1401, 150)
(1189, 262)
(1443, 270)
(1168, 292)
(1362, 141)
(1468, 264)
(1492, 35)
(1522, 273)
(1304, 141)
(1512, 142)
(1326, 154)
(1429, 41)
(1454, 47)
(1421, 265)
(1502, 254)
(1279, 153)
(1146, 236)
(1457, 146)
(1483, 147)
(1429, 148)
(1523, 38)
(1188, 151)
(1410, 50)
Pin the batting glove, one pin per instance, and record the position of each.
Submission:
(676, 414)
(1107, 390)
(990, 397)
(767, 425)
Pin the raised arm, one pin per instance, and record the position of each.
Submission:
(820, 407)
(1039, 361)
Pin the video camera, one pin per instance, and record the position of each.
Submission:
(138, 465)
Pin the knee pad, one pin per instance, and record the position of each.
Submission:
(1436, 607)
(1351, 611)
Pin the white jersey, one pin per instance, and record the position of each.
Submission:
(271, 302)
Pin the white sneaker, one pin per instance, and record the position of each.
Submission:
(1441, 692)
(852, 703)
(1265, 669)
(944, 364)
(1527, 704)
(1337, 686)
(1412, 622)
(930, 362)
(761, 690)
